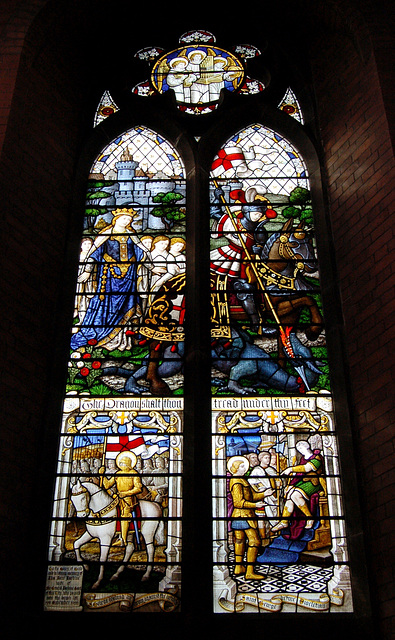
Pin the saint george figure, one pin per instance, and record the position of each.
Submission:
(303, 491)
(116, 300)
(243, 519)
(239, 232)
(239, 229)
(128, 487)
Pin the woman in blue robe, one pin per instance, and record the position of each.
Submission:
(115, 300)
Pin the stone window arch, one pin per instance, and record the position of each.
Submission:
(197, 147)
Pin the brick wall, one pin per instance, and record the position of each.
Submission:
(41, 84)
(15, 18)
(360, 178)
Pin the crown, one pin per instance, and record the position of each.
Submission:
(124, 212)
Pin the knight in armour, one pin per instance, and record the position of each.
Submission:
(241, 231)
(243, 518)
(128, 487)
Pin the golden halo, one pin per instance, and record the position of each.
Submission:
(235, 459)
(126, 454)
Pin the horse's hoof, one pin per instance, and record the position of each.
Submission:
(118, 543)
(312, 333)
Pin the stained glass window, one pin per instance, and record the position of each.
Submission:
(279, 539)
(290, 105)
(105, 108)
(197, 71)
(279, 533)
(116, 529)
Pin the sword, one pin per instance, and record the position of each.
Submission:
(136, 529)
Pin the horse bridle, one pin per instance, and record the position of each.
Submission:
(277, 279)
(79, 493)
(102, 512)
(285, 250)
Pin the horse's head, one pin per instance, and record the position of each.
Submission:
(300, 242)
(292, 245)
(80, 498)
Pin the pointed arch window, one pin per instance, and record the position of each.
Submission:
(121, 447)
(265, 403)
(105, 108)
(276, 509)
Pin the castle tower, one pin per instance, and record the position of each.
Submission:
(126, 172)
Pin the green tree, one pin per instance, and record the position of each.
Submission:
(300, 196)
(300, 206)
(167, 210)
(95, 192)
(98, 195)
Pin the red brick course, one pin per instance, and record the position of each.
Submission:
(360, 173)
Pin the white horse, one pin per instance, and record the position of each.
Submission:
(100, 511)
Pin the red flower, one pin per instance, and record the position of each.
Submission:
(86, 356)
(84, 371)
(96, 364)
(92, 341)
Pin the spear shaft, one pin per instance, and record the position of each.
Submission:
(249, 258)
(283, 332)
